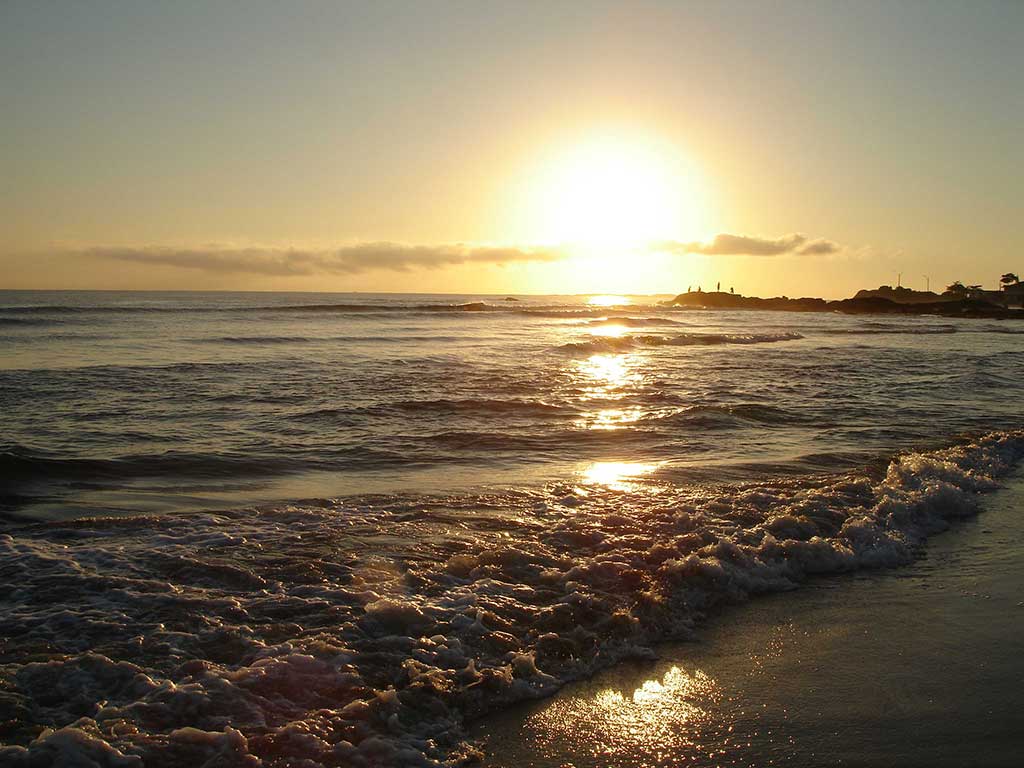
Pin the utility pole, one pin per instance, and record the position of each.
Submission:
(927, 283)
(899, 279)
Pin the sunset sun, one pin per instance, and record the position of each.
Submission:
(613, 192)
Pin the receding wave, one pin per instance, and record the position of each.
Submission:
(625, 343)
(293, 636)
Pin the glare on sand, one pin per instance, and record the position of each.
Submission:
(661, 717)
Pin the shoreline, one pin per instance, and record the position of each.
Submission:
(909, 666)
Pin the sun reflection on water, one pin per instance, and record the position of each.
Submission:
(603, 375)
(617, 475)
(610, 418)
(608, 378)
(613, 331)
(608, 300)
(660, 718)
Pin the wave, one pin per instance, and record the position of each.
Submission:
(482, 405)
(584, 311)
(67, 309)
(996, 329)
(717, 416)
(290, 635)
(609, 344)
(26, 474)
(257, 340)
(634, 322)
(490, 407)
(26, 322)
(879, 329)
(471, 306)
(20, 465)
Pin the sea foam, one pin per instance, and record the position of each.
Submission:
(366, 634)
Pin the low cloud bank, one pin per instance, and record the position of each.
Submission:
(744, 245)
(350, 259)
(401, 257)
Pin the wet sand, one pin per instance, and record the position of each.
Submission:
(923, 665)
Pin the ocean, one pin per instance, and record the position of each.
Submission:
(268, 528)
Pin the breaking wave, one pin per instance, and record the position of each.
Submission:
(611, 344)
(634, 322)
(365, 635)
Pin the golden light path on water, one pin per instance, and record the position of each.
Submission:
(605, 379)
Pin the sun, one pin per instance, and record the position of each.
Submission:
(613, 191)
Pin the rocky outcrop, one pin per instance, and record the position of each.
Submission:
(859, 304)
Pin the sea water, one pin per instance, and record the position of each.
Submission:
(336, 528)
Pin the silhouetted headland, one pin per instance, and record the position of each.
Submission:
(865, 302)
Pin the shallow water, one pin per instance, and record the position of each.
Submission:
(919, 666)
(263, 528)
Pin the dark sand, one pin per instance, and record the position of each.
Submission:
(922, 666)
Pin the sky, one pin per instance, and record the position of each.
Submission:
(784, 148)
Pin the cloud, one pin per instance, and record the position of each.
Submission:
(349, 259)
(401, 257)
(820, 247)
(744, 245)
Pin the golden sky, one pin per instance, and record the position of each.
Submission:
(799, 148)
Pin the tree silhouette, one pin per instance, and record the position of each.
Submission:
(957, 287)
(1009, 279)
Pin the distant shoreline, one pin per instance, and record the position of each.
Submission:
(874, 305)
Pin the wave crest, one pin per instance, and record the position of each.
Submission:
(608, 344)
